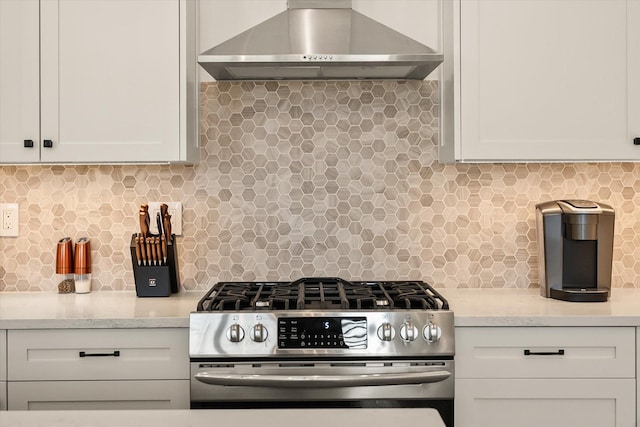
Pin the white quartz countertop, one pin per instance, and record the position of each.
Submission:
(407, 417)
(31, 310)
(526, 307)
(471, 307)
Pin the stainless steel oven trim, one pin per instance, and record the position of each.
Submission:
(321, 381)
(207, 337)
(236, 380)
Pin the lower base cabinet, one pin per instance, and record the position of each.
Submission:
(79, 395)
(638, 376)
(3, 370)
(146, 368)
(545, 376)
(545, 402)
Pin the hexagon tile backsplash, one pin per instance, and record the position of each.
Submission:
(314, 178)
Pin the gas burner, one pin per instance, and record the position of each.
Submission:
(322, 294)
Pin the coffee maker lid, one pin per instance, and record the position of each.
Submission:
(582, 204)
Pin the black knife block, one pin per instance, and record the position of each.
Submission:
(156, 280)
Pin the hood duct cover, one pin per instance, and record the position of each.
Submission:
(320, 40)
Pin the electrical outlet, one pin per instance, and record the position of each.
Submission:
(9, 219)
(175, 210)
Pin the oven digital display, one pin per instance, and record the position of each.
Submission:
(322, 332)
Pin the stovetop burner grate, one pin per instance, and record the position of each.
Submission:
(322, 294)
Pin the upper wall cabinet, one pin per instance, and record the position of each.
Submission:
(541, 80)
(98, 81)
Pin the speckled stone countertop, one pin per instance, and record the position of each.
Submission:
(34, 310)
(526, 307)
(472, 307)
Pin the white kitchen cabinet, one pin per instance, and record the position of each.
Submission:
(98, 368)
(98, 81)
(551, 376)
(638, 381)
(19, 81)
(3, 370)
(541, 80)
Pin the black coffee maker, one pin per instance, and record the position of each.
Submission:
(575, 249)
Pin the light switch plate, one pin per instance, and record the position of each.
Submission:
(175, 210)
(8, 220)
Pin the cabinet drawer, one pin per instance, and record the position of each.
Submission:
(79, 395)
(545, 402)
(545, 352)
(98, 354)
(3, 355)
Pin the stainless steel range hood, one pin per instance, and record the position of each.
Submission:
(320, 40)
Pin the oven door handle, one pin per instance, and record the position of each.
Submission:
(322, 381)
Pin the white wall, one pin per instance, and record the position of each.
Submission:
(223, 19)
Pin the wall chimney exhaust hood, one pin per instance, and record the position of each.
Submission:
(320, 40)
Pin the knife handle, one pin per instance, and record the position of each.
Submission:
(144, 209)
(143, 249)
(163, 243)
(156, 253)
(138, 253)
(167, 226)
(149, 254)
(152, 250)
(144, 225)
(158, 250)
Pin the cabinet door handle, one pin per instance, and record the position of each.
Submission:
(528, 352)
(47, 143)
(636, 140)
(28, 143)
(116, 353)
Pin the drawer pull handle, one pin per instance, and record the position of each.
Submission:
(528, 352)
(114, 354)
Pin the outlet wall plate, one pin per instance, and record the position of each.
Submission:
(9, 220)
(175, 210)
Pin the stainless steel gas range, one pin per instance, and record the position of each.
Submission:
(322, 342)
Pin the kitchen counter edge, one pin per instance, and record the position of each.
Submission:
(471, 307)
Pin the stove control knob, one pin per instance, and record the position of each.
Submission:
(431, 332)
(259, 333)
(235, 333)
(386, 332)
(408, 332)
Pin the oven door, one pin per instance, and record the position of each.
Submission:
(324, 384)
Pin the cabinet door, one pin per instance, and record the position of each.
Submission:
(19, 81)
(110, 80)
(637, 373)
(79, 395)
(633, 24)
(3, 355)
(539, 80)
(3, 370)
(545, 402)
